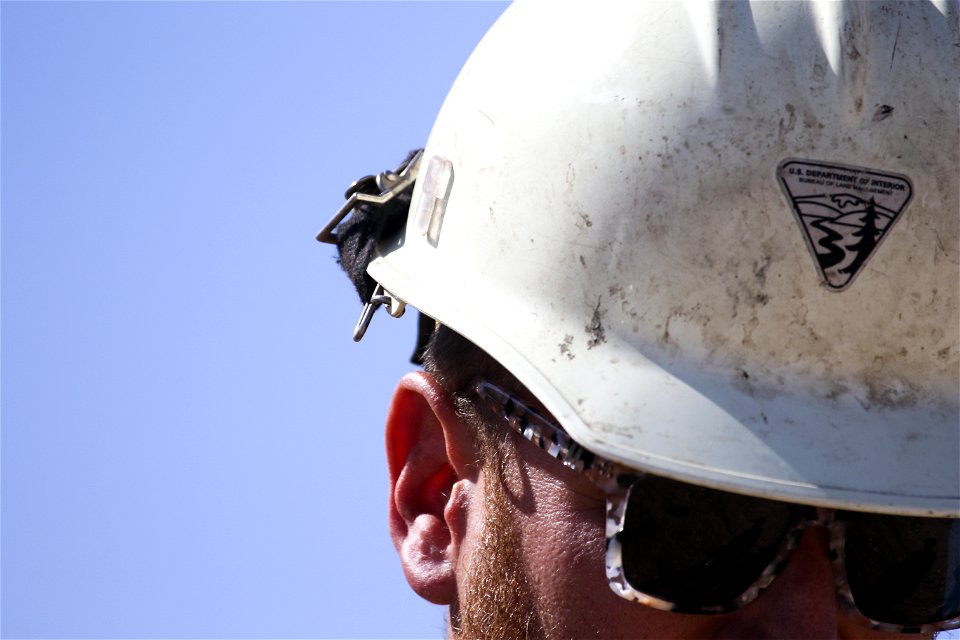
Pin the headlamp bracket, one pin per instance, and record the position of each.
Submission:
(390, 184)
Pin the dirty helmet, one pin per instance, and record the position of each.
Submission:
(718, 242)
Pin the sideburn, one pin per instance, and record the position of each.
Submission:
(498, 601)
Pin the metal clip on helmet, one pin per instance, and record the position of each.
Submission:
(718, 241)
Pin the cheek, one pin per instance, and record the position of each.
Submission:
(560, 519)
(564, 554)
(563, 550)
(573, 545)
(564, 533)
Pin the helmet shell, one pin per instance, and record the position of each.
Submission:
(606, 206)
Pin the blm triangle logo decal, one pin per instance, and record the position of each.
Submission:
(845, 212)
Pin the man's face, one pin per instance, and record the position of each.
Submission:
(536, 569)
(515, 544)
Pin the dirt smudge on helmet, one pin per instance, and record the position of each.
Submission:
(598, 334)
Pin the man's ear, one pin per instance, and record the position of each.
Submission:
(433, 470)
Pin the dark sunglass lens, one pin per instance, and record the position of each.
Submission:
(904, 570)
(697, 547)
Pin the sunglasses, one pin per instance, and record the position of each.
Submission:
(680, 547)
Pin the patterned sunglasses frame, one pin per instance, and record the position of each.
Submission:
(617, 480)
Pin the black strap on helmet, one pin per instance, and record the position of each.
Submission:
(376, 208)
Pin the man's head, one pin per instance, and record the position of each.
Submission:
(694, 269)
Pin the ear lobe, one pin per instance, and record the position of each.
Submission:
(432, 469)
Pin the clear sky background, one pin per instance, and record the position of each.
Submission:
(191, 443)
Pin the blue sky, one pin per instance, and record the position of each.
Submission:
(192, 444)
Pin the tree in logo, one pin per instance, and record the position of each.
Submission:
(868, 239)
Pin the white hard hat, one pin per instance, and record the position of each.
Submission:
(718, 242)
